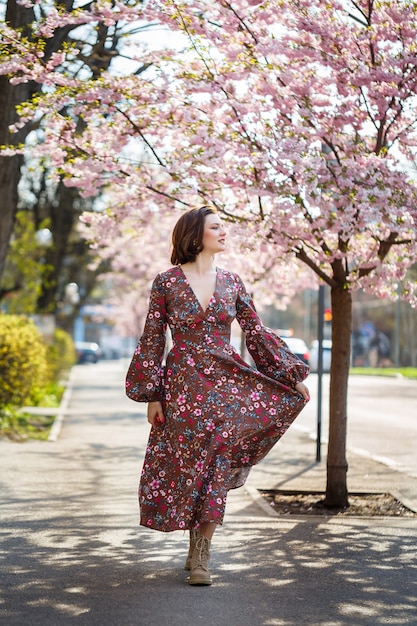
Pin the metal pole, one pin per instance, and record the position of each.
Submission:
(397, 333)
(320, 333)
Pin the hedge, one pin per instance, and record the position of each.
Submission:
(23, 360)
(60, 355)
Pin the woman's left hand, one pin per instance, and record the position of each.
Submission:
(301, 388)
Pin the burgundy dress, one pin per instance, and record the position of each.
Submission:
(221, 415)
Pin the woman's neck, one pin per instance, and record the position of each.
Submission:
(203, 264)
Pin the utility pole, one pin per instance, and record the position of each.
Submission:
(320, 333)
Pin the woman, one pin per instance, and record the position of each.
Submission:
(212, 415)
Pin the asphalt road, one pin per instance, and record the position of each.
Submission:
(382, 418)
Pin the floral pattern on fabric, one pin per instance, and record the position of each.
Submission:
(221, 415)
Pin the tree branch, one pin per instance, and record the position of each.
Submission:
(141, 135)
(301, 254)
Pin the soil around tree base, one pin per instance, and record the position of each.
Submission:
(312, 503)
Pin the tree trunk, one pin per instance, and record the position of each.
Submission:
(9, 179)
(18, 16)
(63, 211)
(10, 96)
(336, 488)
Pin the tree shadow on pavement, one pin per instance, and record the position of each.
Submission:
(72, 552)
(74, 567)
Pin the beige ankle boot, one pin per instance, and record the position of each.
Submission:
(199, 574)
(193, 539)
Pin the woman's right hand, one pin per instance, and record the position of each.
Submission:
(301, 388)
(155, 413)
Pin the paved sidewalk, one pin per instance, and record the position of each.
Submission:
(292, 466)
(72, 552)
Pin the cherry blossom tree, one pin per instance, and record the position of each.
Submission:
(54, 36)
(296, 119)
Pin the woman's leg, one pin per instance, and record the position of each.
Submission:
(207, 529)
(193, 539)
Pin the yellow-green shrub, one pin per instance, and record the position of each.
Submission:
(23, 364)
(60, 355)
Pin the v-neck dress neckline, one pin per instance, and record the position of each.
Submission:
(212, 298)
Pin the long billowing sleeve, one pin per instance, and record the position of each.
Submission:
(271, 355)
(144, 378)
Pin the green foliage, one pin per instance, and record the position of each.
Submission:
(25, 268)
(23, 363)
(49, 396)
(60, 355)
(30, 375)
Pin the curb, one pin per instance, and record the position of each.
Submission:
(383, 460)
(59, 419)
(404, 499)
(260, 501)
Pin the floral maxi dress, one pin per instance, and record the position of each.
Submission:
(221, 415)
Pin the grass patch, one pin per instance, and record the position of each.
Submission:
(406, 372)
(18, 425)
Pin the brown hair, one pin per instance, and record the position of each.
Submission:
(187, 236)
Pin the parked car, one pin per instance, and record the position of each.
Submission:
(87, 352)
(298, 347)
(327, 355)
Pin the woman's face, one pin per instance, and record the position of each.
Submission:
(214, 234)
